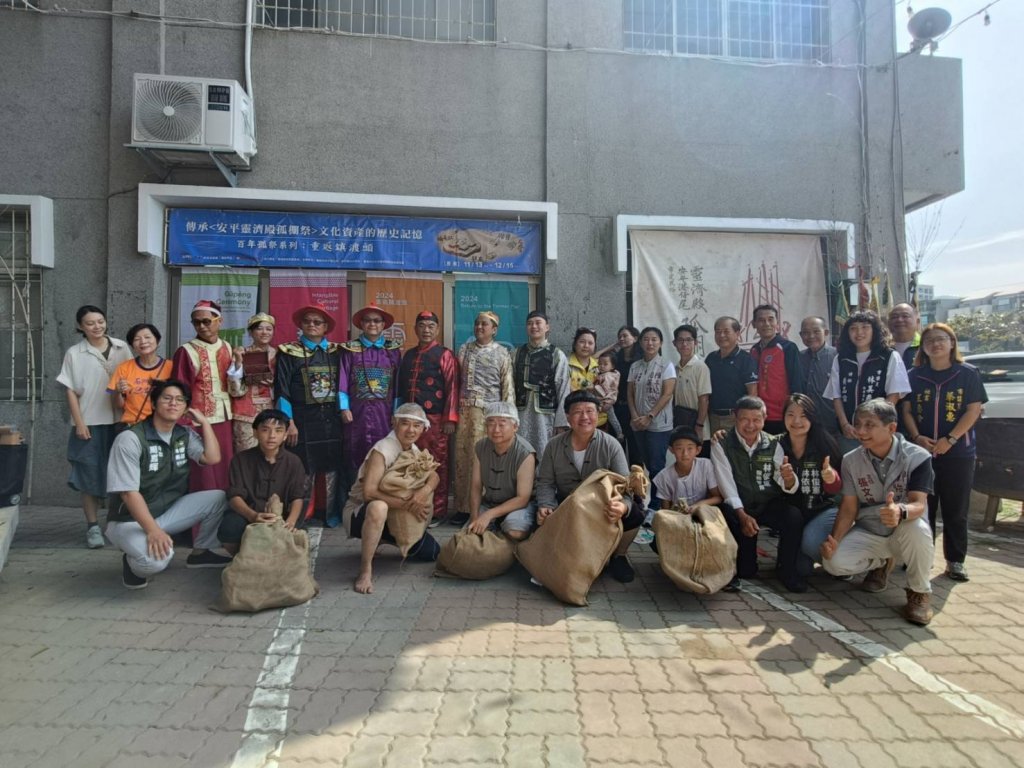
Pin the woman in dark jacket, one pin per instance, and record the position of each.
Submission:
(946, 395)
(815, 458)
(865, 367)
(628, 351)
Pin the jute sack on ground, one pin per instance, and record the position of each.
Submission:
(407, 475)
(568, 552)
(696, 550)
(477, 556)
(271, 570)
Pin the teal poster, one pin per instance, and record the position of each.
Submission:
(509, 300)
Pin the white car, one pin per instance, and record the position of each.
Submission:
(1003, 376)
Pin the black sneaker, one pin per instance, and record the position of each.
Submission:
(794, 583)
(459, 519)
(128, 577)
(206, 559)
(733, 585)
(620, 569)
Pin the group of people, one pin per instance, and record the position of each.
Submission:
(829, 447)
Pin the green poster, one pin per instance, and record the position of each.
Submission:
(235, 290)
(509, 300)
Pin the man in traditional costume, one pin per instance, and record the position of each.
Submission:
(429, 377)
(541, 376)
(305, 376)
(485, 369)
(367, 386)
(203, 364)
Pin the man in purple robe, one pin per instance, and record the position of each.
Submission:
(367, 387)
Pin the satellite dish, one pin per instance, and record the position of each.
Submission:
(926, 25)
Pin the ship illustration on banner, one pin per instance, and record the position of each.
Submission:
(480, 246)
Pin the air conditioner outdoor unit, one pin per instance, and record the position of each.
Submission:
(197, 114)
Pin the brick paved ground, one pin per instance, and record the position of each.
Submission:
(437, 672)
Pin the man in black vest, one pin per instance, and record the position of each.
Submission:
(429, 376)
(540, 371)
(755, 477)
(147, 479)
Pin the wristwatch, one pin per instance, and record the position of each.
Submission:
(952, 440)
(904, 512)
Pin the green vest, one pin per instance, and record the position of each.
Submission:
(754, 474)
(163, 471)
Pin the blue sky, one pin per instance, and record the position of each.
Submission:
(981, 230)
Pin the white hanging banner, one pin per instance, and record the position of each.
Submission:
(695, 277)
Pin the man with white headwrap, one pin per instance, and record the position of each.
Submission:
(503, 471)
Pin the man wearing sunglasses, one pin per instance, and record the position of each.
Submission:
(203, 364)
(306, 388)
(368, 387)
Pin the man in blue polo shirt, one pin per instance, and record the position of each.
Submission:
(733, 374)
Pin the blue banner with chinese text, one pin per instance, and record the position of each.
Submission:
(199, 237)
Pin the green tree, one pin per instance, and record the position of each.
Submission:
(992, 332)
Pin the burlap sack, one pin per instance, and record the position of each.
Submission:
(408, 474)
(696, 550)
(568, 552)
(271, 570)
(474, 556)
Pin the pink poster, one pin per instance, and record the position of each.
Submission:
(294, 288)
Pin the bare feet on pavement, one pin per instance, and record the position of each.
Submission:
(364, 584)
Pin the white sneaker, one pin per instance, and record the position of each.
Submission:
(93, 537)
(644, 536)
(535, 582)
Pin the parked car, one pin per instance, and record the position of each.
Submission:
(1003, 375)
(1000, 431)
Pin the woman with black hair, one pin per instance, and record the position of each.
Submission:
(130, 384)
(652, 386)
(945, 403)
(815, 458)
(85, 372)
(627, 351)
(865, 368)
(583, 369)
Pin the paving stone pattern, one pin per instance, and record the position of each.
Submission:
(436, 672)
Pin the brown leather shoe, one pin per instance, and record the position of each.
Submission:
(918, 609)
(878, 578)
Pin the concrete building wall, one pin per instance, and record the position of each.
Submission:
(932, 121)
(555, 112)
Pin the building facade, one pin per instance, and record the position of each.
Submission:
(587, 119)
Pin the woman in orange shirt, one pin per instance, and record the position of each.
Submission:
(130, 383)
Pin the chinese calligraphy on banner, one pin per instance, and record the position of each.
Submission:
(235, 290)
(294, 288)
(405, 297)
(198, 237)
(509, 300)
(695, 277)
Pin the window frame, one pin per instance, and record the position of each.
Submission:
(422, 16)
(22, 298)
(726, 43)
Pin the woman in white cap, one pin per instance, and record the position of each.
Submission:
(253, 392)
(366, 511)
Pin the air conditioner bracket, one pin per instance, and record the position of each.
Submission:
(164, 162)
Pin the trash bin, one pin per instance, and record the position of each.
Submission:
(13, 460)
